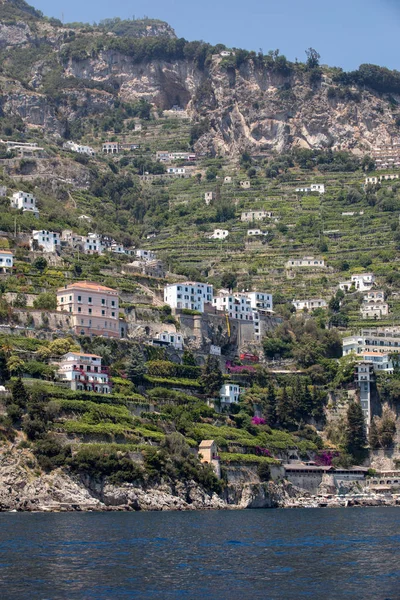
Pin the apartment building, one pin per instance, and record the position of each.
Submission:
(111, 148)
(94, 309)
(237, 306)
(260, 300)
(84, 372)
(48, 241)
(381, 340)
(387, 156)
(25, 202)
(189, 295)
(92, 244)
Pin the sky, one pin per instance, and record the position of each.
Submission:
(346, 33)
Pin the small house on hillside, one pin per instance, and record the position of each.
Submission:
(208, 454)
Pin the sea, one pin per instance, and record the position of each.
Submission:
(346, 553)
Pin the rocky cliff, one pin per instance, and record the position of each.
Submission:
(251, 104)
(24, 487)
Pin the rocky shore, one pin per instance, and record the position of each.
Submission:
(23, 487)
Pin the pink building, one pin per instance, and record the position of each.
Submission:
(93, 308)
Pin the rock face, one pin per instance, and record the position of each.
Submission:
(251, 107)
(24, 488)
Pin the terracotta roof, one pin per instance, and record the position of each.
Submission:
(86, 285)
(5, 252)
(206, 443)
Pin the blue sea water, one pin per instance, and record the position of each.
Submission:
(329, 554)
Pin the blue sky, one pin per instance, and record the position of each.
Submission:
(345, 32)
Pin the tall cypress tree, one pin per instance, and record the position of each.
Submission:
(136, 367)
(356, 438)
(211, 378)
(270, 409)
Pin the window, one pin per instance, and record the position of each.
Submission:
(79, 309)
(90, 300)
(103, 312)
(103, 301)
(90, 311)
(70, 298)
(112, 302)
(79, 298)
(113, 314)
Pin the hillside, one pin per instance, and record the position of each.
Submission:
(149, 160)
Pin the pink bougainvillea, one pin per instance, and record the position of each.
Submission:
(258, 421)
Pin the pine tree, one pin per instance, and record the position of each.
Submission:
(356, 439)
(19, 394)
(211, 379)
(136, 368)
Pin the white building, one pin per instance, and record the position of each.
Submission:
(225, 53)
(145, 254)
(111, 148)
(237, 306)
(84, 372)
(381, 340)
(79, 148)
(6, 261)
(219, 234)
(189, 295)
(116, 248)
(245, 184)
(48, 241)
(255, 215)
(314, 187)
(228, 179)
(255, 232)
(229, 393)
(208, 197)
(307, 261)
(171, 339)
(260, 300)
(360, 282)
(25, 202)
(215, 350)
(92, 244)
(310, 304)
(176, 171)
(374, 310)
(371, 181)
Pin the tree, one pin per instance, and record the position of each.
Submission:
(312, 58)
(188, 359)
(228, 281)
(211, 378)
(20, 300)
(383, 429)
(40, 263)
(270, 409)
(356, 439)
(46, 301)
(15, 365)
(19, 394)
(136, 367)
